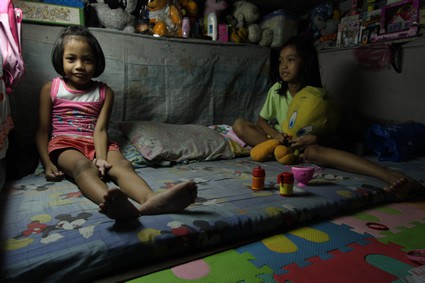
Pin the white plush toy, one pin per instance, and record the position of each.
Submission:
(276, 28)
(247, 15)
(271, 31)
(116, 18)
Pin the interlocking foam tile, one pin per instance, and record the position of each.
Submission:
(266, 278)
(391, 215)
(375, 262)
(410, 238)
(227, 266)
(299, 244)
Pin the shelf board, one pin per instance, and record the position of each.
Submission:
(298, 7)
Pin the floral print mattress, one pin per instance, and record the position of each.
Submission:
(51, 233)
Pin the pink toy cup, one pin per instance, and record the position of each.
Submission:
(303, 174)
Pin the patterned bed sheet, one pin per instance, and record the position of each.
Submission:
(51, 233)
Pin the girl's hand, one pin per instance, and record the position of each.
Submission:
(304, 141)
(53, 174)
(103, 166)
(281, 137)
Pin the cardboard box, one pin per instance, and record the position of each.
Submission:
(397, 20)
(370, 23)
(348, 31)
(358, 29)
(50, 14)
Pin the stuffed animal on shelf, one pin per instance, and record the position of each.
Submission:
(312, 112)
(189, 8)
(116, 14)
(245, 28)
(276, 28)
(165, 17)
(330, 32)
(324, 20)
(319, 17)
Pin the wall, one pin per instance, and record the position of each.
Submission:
(372, 93)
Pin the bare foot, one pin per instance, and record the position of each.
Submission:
(403, 187)
(117, 206)
(172, 200)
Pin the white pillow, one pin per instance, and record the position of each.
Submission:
(172, 142)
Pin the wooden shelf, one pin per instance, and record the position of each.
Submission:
(410, 40)
(298, 7)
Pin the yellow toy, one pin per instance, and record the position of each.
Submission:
(165, 17)
(312, 111)
(189, 8)
(238, 35)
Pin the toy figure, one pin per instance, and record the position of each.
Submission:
(165, 18)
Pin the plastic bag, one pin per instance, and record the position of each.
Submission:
(396, 143)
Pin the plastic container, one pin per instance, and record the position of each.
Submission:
(258, 178)
(286, 184)
(283, 24)
(223, 33)
(185, 27)
(212, 25)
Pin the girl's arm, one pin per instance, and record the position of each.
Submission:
(101, 133)
(42, 134)
(270, 131)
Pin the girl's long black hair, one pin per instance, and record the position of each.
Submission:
(84, 32)
(310, 75)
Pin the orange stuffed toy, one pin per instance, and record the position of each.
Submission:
(312, 111)
(165, 18)
(189, 8)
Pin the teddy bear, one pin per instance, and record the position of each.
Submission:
(116, 14)
(245, 27)
(270, 31)
(312, 111)
(165, 17)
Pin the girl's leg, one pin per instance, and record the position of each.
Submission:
(85, 174)
(249, 132)
(132, 185)
(343, 160)
(396, 182)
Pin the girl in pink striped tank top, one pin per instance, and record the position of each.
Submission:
(75, 109)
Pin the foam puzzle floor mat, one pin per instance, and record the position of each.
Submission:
(368, 246)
